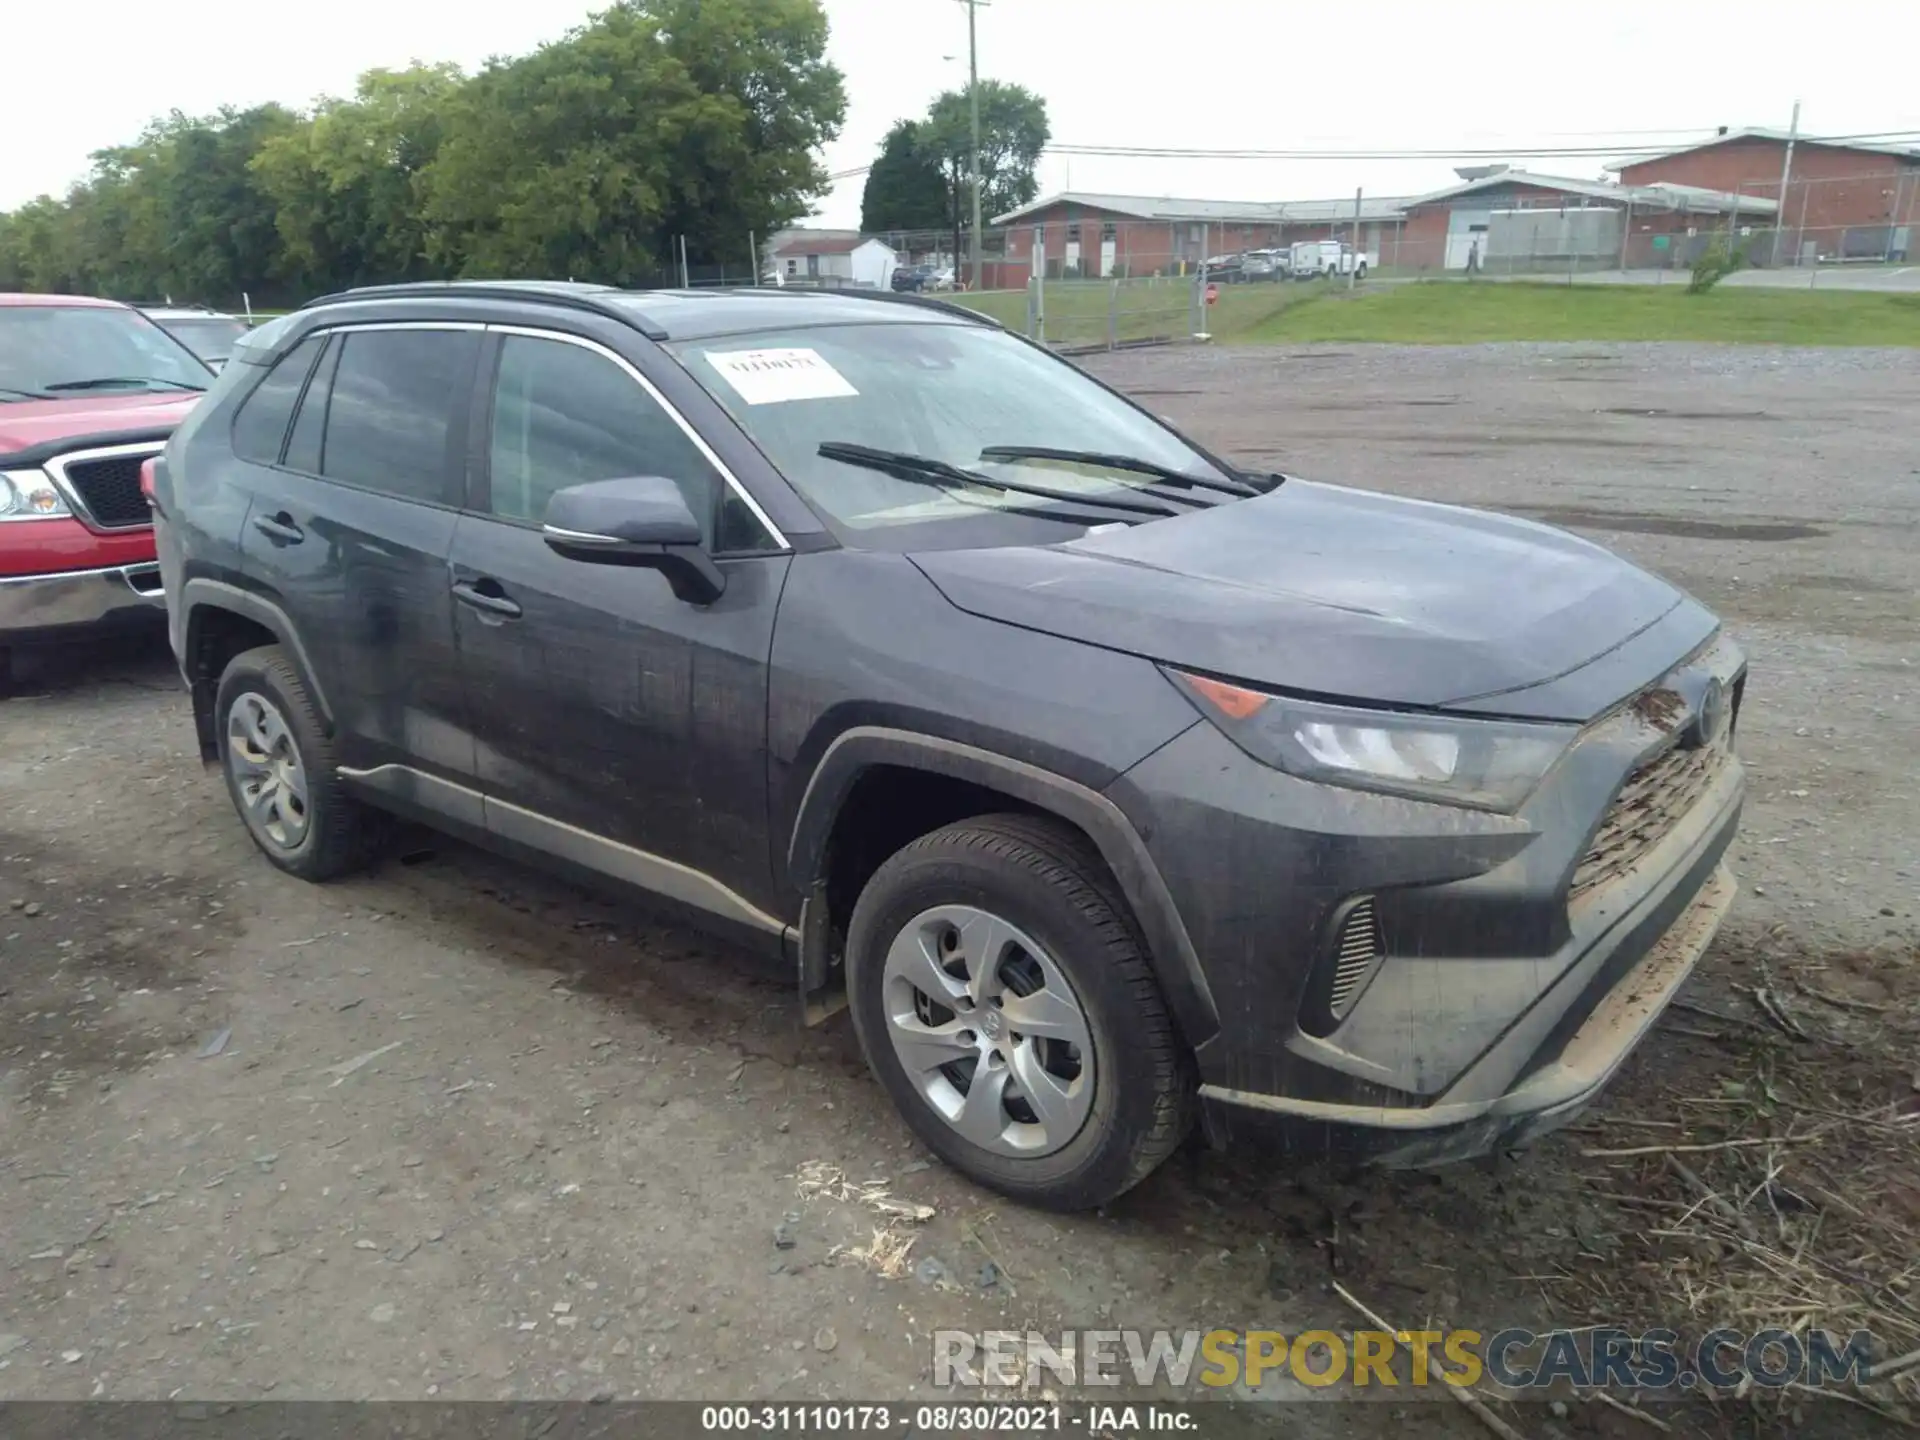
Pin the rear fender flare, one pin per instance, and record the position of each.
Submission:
(201, 595)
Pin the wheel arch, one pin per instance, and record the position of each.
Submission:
(219, 620)
(859, 752)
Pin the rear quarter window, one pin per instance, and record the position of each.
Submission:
(260, 425)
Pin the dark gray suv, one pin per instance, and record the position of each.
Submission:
(1109, 785)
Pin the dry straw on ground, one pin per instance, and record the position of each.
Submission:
(1775, 1173)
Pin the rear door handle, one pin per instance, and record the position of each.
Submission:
(470, 594)
(279, 527)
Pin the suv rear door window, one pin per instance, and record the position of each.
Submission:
(392, 418)
(565, 415)
(260, 425)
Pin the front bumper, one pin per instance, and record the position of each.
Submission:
(47, 607)
(1556, 1089)
(1515, 959)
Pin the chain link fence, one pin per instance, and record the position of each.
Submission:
(1851, 220)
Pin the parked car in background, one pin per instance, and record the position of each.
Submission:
(942, 278)
(1312, 259)
(209, 333)
(1109, 785)
(1226, 269)
(908, 278)
(89, 389)
(1264, 264)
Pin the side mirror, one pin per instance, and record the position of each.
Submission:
(642, 521)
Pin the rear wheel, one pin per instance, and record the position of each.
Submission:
(1004, 999)
(280, 771)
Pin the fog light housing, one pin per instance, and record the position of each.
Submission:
(1349, 960)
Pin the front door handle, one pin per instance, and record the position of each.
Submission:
(279, 527)
(469, 594)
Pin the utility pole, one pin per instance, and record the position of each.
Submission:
(1353, 271)
(1786, 174)
(973, 100)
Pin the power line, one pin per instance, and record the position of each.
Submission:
(1467, 152)
(1480, 152)
(1471, 152)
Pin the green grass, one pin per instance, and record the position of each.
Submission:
(1147, 309)
(1452, 312)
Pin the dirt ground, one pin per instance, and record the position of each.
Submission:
(454, 1129)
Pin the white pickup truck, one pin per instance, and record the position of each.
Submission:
(1313, 258)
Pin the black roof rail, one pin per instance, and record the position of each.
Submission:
(573, 295)
(579, 295)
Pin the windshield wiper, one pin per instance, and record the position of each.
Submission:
(1119, 462)
(105, 381)
(925, 470)
(25, 394)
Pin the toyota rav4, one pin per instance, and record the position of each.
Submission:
(89, 389)
(1109, 784)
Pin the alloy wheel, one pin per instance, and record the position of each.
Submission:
(267, 771)
(989, 1031)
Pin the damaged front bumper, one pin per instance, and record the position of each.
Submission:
(1554, 1060)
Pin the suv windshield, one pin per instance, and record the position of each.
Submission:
(54, 352)
(211, 337)
(935, 392)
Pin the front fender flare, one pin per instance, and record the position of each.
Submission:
(1169, 949)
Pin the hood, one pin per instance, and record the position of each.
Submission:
(1325, 591)
(28, 424)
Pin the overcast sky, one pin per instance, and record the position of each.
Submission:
(1368, 74)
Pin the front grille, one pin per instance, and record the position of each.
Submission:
(108, 489)
(1646, 809)
(1358, 947)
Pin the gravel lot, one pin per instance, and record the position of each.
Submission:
(470, 1132)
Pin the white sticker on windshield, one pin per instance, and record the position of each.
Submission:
(769, 377)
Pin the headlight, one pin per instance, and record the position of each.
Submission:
(1486, 764)
(29, 495)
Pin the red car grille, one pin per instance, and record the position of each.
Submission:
(109, 489)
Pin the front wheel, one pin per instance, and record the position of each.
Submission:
(1004, 999)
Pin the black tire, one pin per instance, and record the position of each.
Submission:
(22, 668)
(1047, 880)
(342, 835)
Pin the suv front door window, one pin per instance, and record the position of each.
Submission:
(635, 717)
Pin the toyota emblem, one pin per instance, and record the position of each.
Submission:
(1711, 726)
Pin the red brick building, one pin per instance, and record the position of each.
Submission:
(1843, 200)
(1078, 233)
(1517, 222)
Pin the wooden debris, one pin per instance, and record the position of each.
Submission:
(1459, 1392)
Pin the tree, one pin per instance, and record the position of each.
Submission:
(348, 187)
(659, 118)
(655, 120)
(215, 220)
(1013, 132)
(905, 188)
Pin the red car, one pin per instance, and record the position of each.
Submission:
(88, 390)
